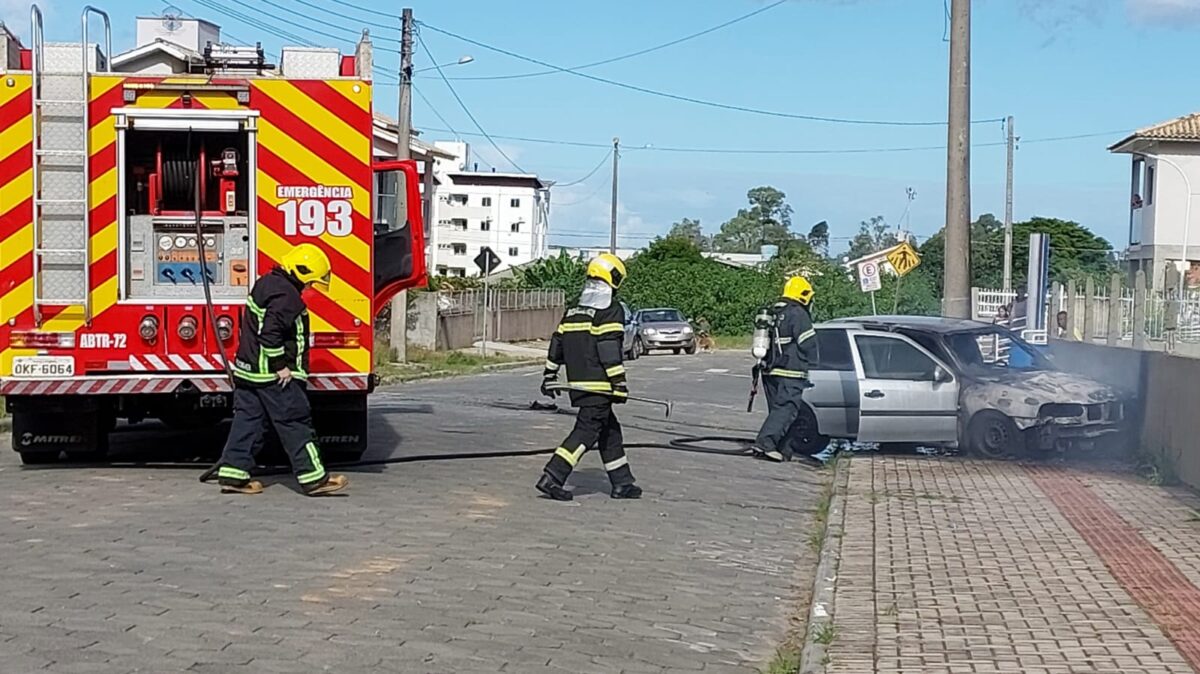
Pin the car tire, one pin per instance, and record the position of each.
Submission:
(993, 435)
(691, 350)
(803, 438)
(639, 348)
(676, 351)
(633, 352)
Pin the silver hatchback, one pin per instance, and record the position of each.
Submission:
(662, 329)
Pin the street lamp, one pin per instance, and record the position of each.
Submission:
(1185, 265)
(462, 61)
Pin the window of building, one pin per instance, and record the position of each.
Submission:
(1149, 188)
(441, 270)
(443, 246)
(487, 201)
(458, 271)
(485, 226)
(458, 199)
(516, 228)
(515, 203)
(459, 248)
(513, 251)
(459, 224)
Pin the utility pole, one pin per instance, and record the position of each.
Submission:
(1008, 209)
(612, 242)
(956, 289)
(398, 328)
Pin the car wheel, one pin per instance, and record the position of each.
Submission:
(633, 352)
(803, 438)
(639, 349)
(993, 435)
(691, 349)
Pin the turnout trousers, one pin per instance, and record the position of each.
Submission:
(783, 408)
(595, 426)
(286, 410)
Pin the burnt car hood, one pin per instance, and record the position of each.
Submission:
(1021, 394)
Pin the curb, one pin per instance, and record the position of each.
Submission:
(820, 616)
(446, 374)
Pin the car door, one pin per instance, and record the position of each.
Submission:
(905, 393)
(630, 329)
(834, 395)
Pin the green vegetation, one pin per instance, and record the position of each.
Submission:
(825, 634)
(786, 661)
(422, 364)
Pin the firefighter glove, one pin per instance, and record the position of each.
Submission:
(549, 378)
(620, 389)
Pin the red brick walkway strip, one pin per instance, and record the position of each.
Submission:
(1170, 599)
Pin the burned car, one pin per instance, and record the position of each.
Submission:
(915, 380)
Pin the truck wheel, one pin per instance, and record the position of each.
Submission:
(993, 435)
(38, 458)
(340, 421)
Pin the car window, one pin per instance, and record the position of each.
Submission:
(927, 342)
(833, 351)
(989, 351)
(662, 316)
(893, 358)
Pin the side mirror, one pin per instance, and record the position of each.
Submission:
(941, 376)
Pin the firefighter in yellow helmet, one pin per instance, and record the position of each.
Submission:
(785, 368)
(588, 342)
(270, 373)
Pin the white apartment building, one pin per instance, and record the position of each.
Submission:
(507, 212)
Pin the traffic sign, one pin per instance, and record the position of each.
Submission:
(487, 260)
(868, 276)
(904, 258)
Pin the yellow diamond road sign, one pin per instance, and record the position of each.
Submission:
(903, 258)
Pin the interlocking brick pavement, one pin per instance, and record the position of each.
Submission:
(423, 567)
(954, 565)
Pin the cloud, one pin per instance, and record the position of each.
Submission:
(1170, 12)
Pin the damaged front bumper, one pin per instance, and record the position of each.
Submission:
(1064, 426)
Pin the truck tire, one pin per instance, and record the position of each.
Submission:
(40, 435)
(340, 420)
(993, 435)
(38, 458)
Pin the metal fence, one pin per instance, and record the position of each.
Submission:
(462, 302)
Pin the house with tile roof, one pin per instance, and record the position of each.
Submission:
(1164, 200)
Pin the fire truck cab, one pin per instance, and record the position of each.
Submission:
(137, 209)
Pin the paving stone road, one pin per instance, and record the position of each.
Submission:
(423, 567)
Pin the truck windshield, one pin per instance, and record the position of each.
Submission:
(991, 350)
(662, 316)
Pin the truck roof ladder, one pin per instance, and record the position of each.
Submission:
(61, 180)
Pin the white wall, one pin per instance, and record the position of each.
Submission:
(528, 242)
(1163, 219)
(192, 33)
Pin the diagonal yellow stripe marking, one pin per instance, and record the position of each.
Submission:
(156, 99)
(16, 246)
(104, 296)
(16, 301)
(341, 292)
(311, 165)
(69, 320)
(346, 88)
(21, 86)
(6, 359)
(103, 84)
(352, 247)
(103, 135)
(357, 358)
(104, 242)
(219, 100)
(14, 138)
(16, 190)
(318, 116)
(104, 187)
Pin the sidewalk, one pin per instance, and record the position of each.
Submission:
(954, 565)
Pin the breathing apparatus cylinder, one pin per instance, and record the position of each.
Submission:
(760, 341)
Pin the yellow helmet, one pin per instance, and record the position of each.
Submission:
(308, 264)
(608, 268)
(798, 288)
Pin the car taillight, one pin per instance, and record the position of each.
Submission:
(148, 329)
(224, 329)
(334, 340)
(187, 328)
(42, 340)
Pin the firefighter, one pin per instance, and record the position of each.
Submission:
(270, 373)
(588, 342)
(785, 370)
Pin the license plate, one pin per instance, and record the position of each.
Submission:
(43, 366)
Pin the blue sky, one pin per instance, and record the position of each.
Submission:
(1061, 67)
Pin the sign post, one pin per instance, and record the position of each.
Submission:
(868, 280)
(486, 260)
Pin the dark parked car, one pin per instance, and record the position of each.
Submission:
(914, 380)
(662, 329)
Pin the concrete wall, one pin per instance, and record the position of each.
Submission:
(1166, 417)
(510, 325)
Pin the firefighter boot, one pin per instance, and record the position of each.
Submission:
(552, 489)
(627, 491)
(331, 485)
(247, 487)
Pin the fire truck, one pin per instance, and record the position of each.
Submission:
(136, 210)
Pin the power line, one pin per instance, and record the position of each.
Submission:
(464, 107)
(776, 151)
(689, 99)
(590, 173)
(605, 185)
(256, 23)
(640, 52)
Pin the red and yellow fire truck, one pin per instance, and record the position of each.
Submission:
(127, 198)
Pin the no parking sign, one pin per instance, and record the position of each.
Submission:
(868, 276)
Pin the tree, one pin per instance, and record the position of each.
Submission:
(818, 237)
(767, 221)
(873, 236)
(691, 231)
(563, 272)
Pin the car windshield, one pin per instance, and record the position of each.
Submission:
(662, 316)
(992, 350)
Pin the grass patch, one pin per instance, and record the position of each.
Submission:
(826, 634)
(786, 661)
(1157, 467)
(731, 342)
(1194, 517)
(816, 537)
(422, 362)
